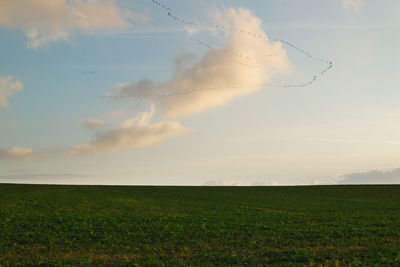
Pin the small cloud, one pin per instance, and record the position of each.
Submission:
(230, 182)
(352, 5)
(94, 124)
(225, 182)
(322, 182)
(117, 113)
(316, 182)
(372, 177)
(19, 153)
(8, 87)
(192, 30)
(138, 132)
(266, 183)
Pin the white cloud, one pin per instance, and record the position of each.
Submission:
(262, 182)
(372, 177)
(316, 182)
(94, 124)
(323, 182)
(45, 21)
(219, 76)
(8, 86)
(19, 153)
(266, 183)
(230, 182)
(137, 132)
(224, 182)
(352, 5)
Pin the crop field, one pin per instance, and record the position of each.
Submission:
(199, 226)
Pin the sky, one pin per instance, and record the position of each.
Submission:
(200, 92)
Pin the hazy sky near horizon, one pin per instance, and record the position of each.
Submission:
(195, 115)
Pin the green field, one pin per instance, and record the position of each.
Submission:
(200, 226)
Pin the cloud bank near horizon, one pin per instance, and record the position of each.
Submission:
(373, 176)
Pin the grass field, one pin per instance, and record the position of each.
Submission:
(200, 226)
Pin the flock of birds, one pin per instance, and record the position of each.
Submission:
(171, 14)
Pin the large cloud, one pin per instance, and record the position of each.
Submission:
(45, 21)
(8, 86)
(221, 75)
(372, 177)
(137, 132)
(19, 153)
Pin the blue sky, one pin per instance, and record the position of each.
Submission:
(55, 127)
